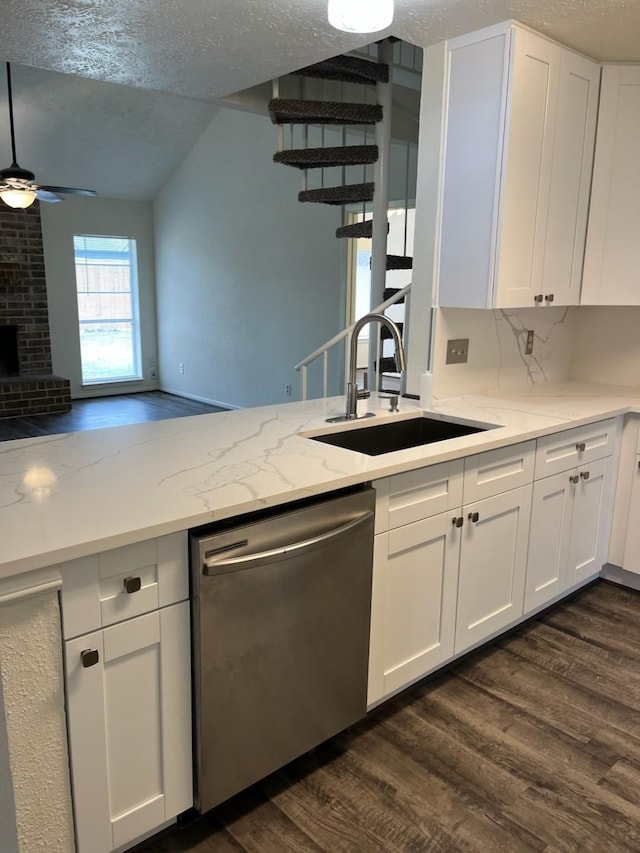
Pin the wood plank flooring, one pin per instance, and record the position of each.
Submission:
(105, 412)
(532, 744)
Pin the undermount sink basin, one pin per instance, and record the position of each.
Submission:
(375, 439)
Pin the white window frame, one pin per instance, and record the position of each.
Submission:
(136, 375)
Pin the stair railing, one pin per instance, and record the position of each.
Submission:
(323, 350)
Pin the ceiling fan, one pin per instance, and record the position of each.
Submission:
(17, 187)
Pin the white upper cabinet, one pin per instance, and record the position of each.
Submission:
(519, 130)
(612, 260)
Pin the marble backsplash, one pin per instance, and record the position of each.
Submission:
(585, 343)
(497, 343)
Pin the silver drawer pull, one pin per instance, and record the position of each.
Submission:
(132, 585)
(581, 446)
(584, 475)
(89, 657)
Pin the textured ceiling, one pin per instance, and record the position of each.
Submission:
(122, 141)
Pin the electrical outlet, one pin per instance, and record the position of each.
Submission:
(287, 389)
(181, 368)
(529, 347)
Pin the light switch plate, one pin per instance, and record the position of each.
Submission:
(457, 351)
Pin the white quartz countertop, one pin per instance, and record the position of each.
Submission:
(66, 496)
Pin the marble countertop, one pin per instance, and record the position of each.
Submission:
(66, 496)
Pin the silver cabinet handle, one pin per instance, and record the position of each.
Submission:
(457, 522)
(538, 297)
(574, 479)
(89, 657)
(132, 585)
(549, 298)
(474, 516)
(581, 446)
(584, 475)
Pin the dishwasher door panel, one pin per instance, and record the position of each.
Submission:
(281, 646)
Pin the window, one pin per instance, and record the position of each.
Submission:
(107, 291)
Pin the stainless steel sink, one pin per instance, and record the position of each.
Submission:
(387, 437)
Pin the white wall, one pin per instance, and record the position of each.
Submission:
(249, 281)
(78, 215)
(8, 830)
(32, 686)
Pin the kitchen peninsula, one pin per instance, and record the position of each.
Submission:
(66, 498)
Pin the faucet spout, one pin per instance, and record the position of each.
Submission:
(352, 385)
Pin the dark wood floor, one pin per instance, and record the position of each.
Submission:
(530, 745)
(104, 412)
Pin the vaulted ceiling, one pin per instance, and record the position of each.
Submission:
(111, 94)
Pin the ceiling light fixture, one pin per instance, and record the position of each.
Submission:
(17, 197)
(360, 16)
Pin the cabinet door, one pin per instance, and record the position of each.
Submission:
(413, 602)
(527, 169)
(631, 561)
(590, 522)
(493, 560)
(612, 258)
(572, 160)
(548, 539)
(130, 728)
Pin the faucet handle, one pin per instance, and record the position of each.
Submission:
(364, 393)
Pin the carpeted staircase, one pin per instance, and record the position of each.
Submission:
(346, 114)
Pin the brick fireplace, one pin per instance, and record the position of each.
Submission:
(27, 384)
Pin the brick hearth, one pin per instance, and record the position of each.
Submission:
(23, 302)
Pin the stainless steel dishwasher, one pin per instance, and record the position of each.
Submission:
(281, 610)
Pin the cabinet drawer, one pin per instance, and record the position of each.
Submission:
(574, 447)
(410, 497)
(93, 588)
(488, 474)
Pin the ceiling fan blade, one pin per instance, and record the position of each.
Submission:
(66, 190)
(47, 195)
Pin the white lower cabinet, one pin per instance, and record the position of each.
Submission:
(413, 607)
(570, 523)
(448, 580)
(128, 689)
(493, 562)
(130, 727)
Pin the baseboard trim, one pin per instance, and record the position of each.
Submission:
(198, 399)
(621, 576)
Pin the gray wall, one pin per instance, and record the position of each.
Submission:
(94, 216)
(249, 281)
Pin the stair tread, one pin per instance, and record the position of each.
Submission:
(385, 334)
(388, 365)
(346, 194)
(391, 291)
(356, 229)
(284, 111)
(399, 262)
(315, 158)
(349, 69)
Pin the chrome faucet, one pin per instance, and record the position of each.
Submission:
(353, 393)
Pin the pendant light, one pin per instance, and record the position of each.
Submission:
(360, 16)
